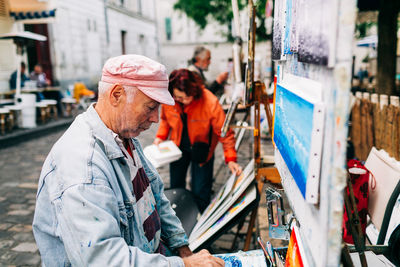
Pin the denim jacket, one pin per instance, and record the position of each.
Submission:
(85, 212)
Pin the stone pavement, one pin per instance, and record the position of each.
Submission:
(20, 167)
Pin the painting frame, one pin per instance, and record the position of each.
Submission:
(298, 131)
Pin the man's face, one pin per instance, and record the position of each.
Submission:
(136, 116)
(204, 60)
(38, 69)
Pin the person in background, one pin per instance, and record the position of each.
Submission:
(13, 77)
(194, 124)
(200, 61)
(80, 90)
(39, 76)
(83, 95)
(100, 202)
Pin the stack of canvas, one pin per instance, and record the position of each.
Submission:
(166, 152)
(232, 198)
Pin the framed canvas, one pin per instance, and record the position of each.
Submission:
(219, 205)
(317, 31)
(240, 204)
(298, 131)
(279, 30)
(295, 256)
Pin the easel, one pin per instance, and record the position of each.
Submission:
(255, 96)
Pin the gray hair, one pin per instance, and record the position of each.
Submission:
(131, 91)
(198, 52)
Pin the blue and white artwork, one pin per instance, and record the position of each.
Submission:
(317, 32)
(288, 28)
(252, 258)
(278, 32)
(298, 128)
(305, 27)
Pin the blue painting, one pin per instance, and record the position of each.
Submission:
(252, 258)
(298, 137)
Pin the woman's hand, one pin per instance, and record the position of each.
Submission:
(157, 141)
(235, 168)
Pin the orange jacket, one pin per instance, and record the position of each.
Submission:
(201, 114)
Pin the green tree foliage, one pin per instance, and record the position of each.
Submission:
(362, 28)
(201, 11)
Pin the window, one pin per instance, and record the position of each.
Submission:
(123, 44)
(168, 28)
(139, 2)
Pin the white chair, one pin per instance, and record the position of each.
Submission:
(4, 112)
(68, 105)
(15, 115)
(43, 111)
(51, 107)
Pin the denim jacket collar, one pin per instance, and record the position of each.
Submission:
(102, 133)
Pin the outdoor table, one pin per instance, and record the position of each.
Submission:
(4, 102)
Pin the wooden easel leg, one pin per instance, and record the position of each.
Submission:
(250, 228)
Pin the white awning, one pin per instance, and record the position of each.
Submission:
(23, 35)
(32, 11)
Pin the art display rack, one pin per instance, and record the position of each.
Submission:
(320, 220)
(331, 36)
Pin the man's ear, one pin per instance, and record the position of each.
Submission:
(116, 94)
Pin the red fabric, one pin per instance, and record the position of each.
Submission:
(360, 189)
(128, 148)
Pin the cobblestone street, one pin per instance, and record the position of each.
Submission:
(20, 167)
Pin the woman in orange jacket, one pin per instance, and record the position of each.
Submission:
(194, 124)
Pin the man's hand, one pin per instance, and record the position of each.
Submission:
(203, 258)
(184, 252)
(235, 168)
(222, 77)
(157, 141)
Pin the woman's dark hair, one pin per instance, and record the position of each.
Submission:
(186, 81)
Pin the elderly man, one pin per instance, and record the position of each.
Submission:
(39, 76)
(200, 61)
(99, 201)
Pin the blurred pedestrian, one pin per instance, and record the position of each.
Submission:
(100, 202)
(194, 124)
(200, 61)
(39, 76)
(13, 78)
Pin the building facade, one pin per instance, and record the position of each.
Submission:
(179, 35)
(81, 37)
